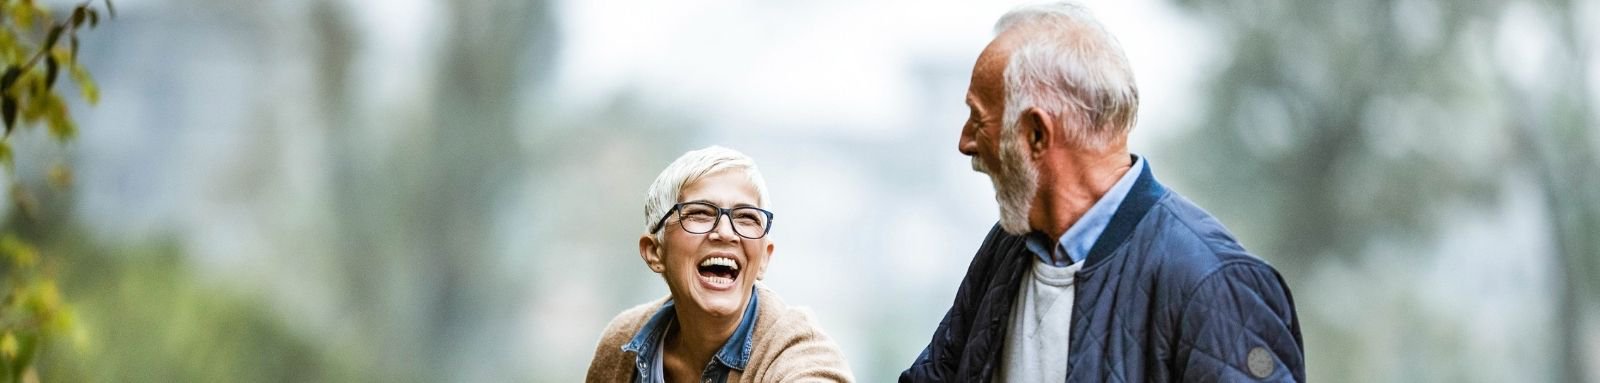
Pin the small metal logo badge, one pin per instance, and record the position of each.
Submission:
(1260, 362)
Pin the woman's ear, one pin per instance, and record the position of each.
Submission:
(650, 252)
(761, 273)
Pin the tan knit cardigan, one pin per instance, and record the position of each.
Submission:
(787, 346)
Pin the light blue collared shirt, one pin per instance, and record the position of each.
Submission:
(1080, 237)
(646, 346)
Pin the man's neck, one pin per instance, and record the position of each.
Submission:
(1073, 185)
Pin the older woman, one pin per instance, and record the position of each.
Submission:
(706, 223)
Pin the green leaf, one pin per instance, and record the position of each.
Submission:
(10, 77)
(5, 155)
(77, 15)
(61, 125)
(8, 345)
(55, 34)
(8, 108)
(22, 15)
(22, 255)
(29, 344)
(86, 85)
(50, 71)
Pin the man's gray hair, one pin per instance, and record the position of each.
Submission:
(1066, 64)
(690, 167)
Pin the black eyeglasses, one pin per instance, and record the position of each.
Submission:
(701, 218)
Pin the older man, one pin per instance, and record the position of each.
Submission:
(1096, 272)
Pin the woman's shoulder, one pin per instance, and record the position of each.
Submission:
(629, 321)
(610, 362)
(777, 314)
(791, 345)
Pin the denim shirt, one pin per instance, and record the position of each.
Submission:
(646, 346)
(1077, 240)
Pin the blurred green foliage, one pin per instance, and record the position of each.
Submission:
(35, 46)
(33, 312)
(148, 319)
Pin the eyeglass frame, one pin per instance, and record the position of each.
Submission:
(721, 211)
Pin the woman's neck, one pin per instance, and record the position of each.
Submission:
(696, 338)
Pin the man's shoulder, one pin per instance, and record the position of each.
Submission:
(1189, 244)
(1195, 269)
(1222, 301)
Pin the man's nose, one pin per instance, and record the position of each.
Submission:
(967, 144)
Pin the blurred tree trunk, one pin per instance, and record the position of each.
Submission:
(416, 243)
(470, 162)
(1558, 139)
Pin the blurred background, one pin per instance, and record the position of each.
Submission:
(452, 190)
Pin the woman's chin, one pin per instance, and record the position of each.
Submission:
(720, 304)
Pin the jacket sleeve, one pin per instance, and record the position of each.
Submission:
(1239, 324)
(939, 361)
(934, 363)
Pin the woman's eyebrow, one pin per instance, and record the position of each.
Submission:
(741, 204)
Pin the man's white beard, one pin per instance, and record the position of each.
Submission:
(1015, 184)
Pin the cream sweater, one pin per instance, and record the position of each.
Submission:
(787, 346)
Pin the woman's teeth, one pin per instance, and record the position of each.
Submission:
(720, 261)
(719, 270)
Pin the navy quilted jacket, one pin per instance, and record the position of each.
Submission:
(1166, 295)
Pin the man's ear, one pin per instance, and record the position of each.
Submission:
(650, 251)
(1037, 128)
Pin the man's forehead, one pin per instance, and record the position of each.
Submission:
(995, 53)
(988, 73)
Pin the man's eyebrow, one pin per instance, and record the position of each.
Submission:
(972, 103)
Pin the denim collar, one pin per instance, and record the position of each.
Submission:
(735, 354)
(1076, 242)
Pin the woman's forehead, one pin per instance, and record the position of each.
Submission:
(724, 188)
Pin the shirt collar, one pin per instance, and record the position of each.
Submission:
(1080, 237)
(734, 354)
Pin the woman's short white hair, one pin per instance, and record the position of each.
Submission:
(690, 167)
(1067, 64)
